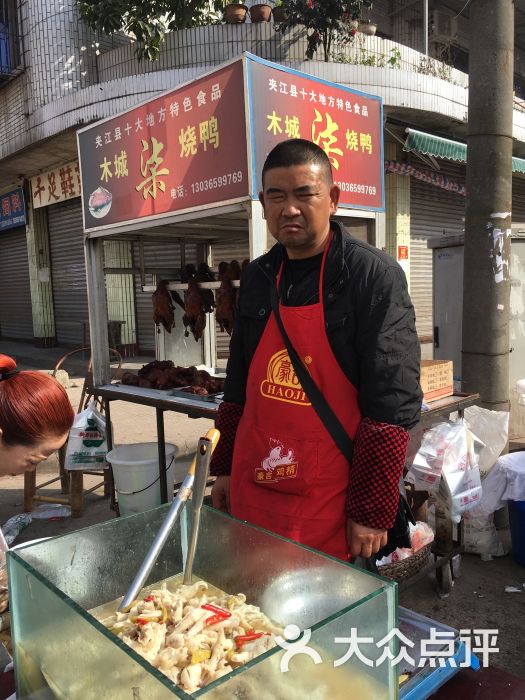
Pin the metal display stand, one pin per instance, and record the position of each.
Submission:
(444, 547)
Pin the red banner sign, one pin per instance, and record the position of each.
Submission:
(402, 252)
(183, 150)
(346, 124)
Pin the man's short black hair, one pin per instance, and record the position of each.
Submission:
(297, 152)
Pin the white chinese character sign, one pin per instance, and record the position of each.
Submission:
(183, 150)
(57, 185)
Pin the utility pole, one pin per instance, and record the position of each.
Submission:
(486, 286)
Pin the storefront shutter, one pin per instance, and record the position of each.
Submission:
(162, 260)
(16, 318)
(518, 199)
(68, 273)
(433, 210)
(421, 286)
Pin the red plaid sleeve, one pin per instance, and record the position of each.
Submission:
(377, 465)
(226, 422)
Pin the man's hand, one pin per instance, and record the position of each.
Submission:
(220, 493)
(364, 541)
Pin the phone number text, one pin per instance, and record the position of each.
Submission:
(214, 183)
(356, 187)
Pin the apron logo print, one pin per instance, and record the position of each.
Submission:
(280, 464)
(281, 382)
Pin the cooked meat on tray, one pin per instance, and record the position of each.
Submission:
(165, 375)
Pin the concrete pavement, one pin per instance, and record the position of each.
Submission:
(30, 357)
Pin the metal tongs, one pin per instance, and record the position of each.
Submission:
(194, 485)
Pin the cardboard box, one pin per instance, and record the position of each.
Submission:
(436, 379)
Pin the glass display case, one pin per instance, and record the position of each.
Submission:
(62, 651)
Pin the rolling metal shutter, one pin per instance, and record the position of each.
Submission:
(162, 260)
(227, 249)
(421, 286)
(16, 317)
(68, 273)
(433, 212)
(518, 199)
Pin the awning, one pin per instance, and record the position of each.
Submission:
(429, 176)
(518, 165)
(439, 147)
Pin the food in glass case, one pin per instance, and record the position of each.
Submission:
(194, 634)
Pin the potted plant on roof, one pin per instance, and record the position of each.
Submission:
(235, 12)
(324, 21)
(367, 26)
(279, 12)
(261, 12)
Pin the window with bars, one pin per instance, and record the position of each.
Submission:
(10, 54)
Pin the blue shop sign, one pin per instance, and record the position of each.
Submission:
(12, 209)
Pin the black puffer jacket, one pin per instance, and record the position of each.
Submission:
(370, 325)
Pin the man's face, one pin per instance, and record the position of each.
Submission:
(298, 202)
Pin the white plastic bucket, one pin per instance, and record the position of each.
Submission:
(136, 474)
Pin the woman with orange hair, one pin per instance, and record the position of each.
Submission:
(35, 417)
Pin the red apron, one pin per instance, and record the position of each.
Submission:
(287, 474)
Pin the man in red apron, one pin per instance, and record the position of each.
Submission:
(346, 310)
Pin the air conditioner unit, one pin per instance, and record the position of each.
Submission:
(443, 27)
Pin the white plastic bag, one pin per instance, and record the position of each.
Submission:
(494, 485)
(460, 491)
(397, 555)
(443, 447)
(513, 466)
(492, 428)
(87, 446)
(505, 481)
(14, 526)
(460, 486)
(51, 511)
(480, 535)
(421, 534)
(416, 435)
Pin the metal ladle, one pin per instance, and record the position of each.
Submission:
(194, 484)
